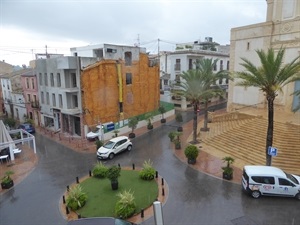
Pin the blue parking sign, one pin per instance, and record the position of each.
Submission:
(272, 151)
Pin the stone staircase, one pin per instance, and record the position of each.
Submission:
(243, 137)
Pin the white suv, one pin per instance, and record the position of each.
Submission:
(268, 180)
(113, 147)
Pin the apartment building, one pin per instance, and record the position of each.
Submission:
(59, 89)
(281, 29)
(4, 68)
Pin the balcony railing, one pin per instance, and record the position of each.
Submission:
(177, 66)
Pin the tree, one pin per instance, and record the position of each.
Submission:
(206, 66)
(132, 123)
(269, 78)
(193, 88)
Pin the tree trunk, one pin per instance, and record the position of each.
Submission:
(205, 128)
(269, 140)
(195, 123)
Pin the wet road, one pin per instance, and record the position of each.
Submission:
(194, 198)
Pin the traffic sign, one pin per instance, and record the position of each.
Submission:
(272, 151)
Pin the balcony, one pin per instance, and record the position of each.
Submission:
(35, 105)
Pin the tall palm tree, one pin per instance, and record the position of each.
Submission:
(206, 66)
(194, 88)
(269, 77)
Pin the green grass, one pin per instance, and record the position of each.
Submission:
(102, 199)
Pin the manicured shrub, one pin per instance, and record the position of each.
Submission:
(76, 198)
(148, 172)
(100, 170)
(125, 206)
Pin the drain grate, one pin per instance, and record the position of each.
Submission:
(244, 220)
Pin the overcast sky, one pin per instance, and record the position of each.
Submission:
(27, 26)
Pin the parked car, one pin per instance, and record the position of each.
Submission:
(268, 180)
(99, 221)
(113, 147)
(92, 135)
(28, 127)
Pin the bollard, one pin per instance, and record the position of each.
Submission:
(67, 210)
(162, 181)
(68, 188)
(64, 200)
(133, 166)
(119, 165)
(90, 173)
(142, 213)
(163, 192)
(156, 174)
(77, 180)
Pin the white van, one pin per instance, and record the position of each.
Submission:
(268, 180)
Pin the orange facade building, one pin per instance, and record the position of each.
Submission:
(113, 90)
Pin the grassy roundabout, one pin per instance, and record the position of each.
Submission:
(102, 199)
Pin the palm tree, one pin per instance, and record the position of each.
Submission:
(269, 77)
(194, 89)
(206, 66)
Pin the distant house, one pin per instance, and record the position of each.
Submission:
(12, 91)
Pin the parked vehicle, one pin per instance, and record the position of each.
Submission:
(27, 127)
(99, 221)
(113, 147)
(268, 180)
(92, 135)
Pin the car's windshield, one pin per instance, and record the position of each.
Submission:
(292, 178)
(109, 145)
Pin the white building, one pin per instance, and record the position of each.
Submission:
(184, 58)
(281, 29)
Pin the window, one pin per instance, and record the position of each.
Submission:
(42, 97)
(40, 79)
(166, 82)
(53, 100)
(128, 58)
(284, 182)
(58, 80)
(60, 100)
(47, 98)
(220, 81)
(32, 83)
(177, 64)
(215, 67)
(28, 98)
(264, 180)
(190, 64)
(226, 80)
(128, 78)
(73, 77)
(177, 78)
(27, 83)
(221, 64)
(30, 115)
(46, 79)
(248, 45)
(75, 101)
(227, 65)
(51, 79)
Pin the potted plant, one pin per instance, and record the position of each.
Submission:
(132, 123)
(172, 135)
(7, 182)
(115, 133)
(191, 152)
(149, 118)
(228, 170)
(98, 144)
(176, 140)
(162, 110)
(178, 118)
(113, 173)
